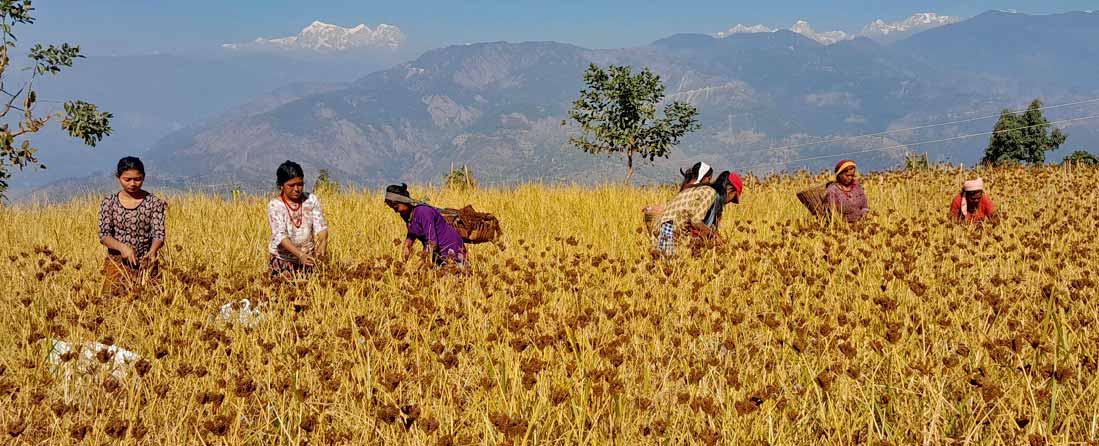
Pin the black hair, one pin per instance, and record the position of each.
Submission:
(402, 190)
(399, 189)
(129, 163)
(287, 171)
(721, 187)
(691, 173)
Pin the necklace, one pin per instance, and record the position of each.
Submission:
(294, 210)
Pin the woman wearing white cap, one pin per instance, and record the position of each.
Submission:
(700, 174)
(972, 205)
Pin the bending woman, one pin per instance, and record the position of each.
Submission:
(696, 212)
(299, 234)
(426, 225)
(131, 226)
(973, 205)
(699, 174)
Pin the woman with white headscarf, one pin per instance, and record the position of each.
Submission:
(700, 174)
(972, 205)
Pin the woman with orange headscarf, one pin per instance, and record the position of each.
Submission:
(845, 197)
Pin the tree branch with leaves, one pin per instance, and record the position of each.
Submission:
(617, 114)
(79, 119)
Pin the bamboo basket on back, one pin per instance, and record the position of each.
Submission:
(814, 199)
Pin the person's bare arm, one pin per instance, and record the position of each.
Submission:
(304, 258)
(124, 249)
(154, 250)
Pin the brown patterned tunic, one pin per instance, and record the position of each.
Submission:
(137, 227)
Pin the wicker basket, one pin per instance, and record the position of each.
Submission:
(814, 199)
(649, 215)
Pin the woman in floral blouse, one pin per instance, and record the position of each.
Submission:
(131, 226)
(846, 197)
(299, 234)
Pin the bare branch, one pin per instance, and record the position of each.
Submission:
(23, 131)
(8, 107)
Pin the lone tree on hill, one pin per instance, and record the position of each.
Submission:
(617, 114)
(1022, 137)
(80, 119)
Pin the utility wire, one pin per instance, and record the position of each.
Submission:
(845, 138)
(919, 143)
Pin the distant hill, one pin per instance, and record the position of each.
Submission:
(154, 95)
(765, 99)
(499, 106)
(1057, 49)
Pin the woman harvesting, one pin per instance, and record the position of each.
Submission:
(846, 197)
(696, 212)
(131, 226)
(299, 234)
(699, 174)
(426, 225)
(973, 205)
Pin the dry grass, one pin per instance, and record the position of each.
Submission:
(907, 330)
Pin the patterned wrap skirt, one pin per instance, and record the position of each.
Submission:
(665, 239)
(120, 276)
(281, 267)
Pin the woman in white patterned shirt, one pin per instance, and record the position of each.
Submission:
(299, 234)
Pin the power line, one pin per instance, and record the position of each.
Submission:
(845, 138)
(919, 143)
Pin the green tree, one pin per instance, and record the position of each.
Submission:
(617, 113)
(325, 184)
(1022, 137)
(1082, 158)
(916, 161)
(79, 119)
(460, 178)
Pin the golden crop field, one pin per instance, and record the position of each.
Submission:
(905, 330)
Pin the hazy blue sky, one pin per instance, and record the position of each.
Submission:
(143, 26)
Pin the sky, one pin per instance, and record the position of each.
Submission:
(126, 27)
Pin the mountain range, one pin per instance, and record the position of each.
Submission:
(768, 101)
(499, 106)
(878, 30)
(326, 38)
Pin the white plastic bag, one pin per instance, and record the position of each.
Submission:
(241, 312)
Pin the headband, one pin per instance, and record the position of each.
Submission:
(844, 166)
(398, 198)
(974, 185)
(703, 170)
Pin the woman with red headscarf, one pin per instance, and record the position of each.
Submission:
(845, 197)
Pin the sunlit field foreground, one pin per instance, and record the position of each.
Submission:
(906, 330)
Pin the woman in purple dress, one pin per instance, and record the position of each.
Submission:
(845, 197)
(426, 225)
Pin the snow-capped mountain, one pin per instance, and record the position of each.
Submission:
(744, 29)
(827, 38)
(883, 31)
(324, 37)
(801, 27)
(878, 30)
